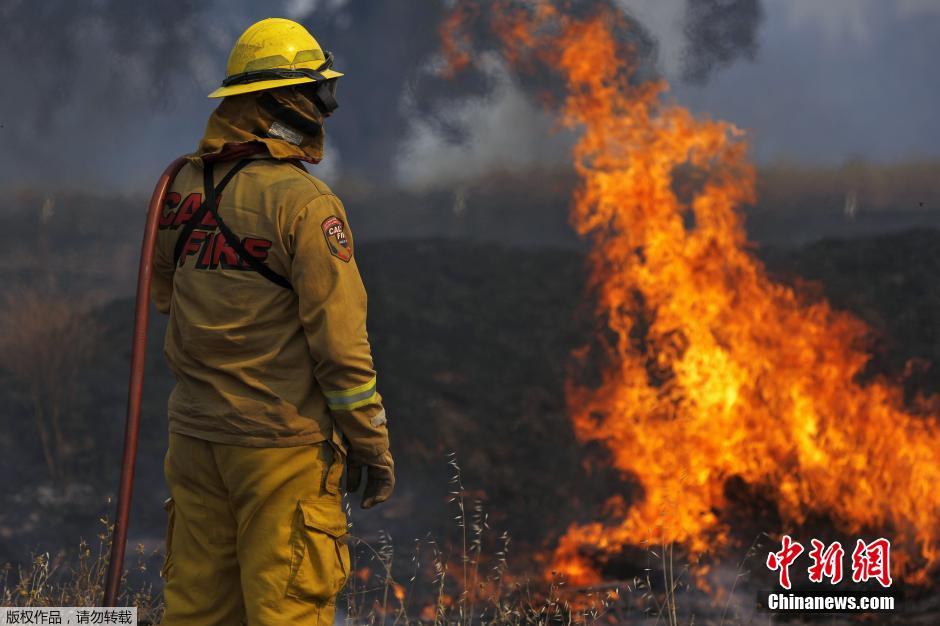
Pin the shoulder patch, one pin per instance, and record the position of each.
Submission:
(335, 233)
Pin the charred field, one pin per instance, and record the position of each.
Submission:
(473, 342)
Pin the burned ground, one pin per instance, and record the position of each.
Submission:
(472, 344)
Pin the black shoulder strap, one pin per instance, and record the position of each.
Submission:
(200, 213)
(210, 194)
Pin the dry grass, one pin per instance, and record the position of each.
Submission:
(46, 340)
(464, 580)
(78, 579)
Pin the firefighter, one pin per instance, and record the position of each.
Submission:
(275, 385)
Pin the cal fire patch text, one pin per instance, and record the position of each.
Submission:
(335, 233)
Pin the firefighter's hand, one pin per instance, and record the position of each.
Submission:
(380, 477)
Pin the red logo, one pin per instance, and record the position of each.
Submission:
(827, 562)
(782, 560)
(335, 233)
(870, 561)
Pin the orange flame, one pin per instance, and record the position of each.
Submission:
(712, 370)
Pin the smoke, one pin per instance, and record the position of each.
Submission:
(304, 9)
(719, 32)
(107, 92)
(502, 123)
(111, 90)
(500, 130)
(75, 71)
(838, 20)
(918, 7)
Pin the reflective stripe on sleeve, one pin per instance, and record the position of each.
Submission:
(349, 399)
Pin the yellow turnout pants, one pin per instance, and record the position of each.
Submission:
(254, 535)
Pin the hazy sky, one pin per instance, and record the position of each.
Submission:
(109, 94)
(835, 79)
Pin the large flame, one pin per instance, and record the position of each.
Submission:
(712, 371)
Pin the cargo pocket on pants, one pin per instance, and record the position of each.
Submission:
(169, 506)
(319, 563)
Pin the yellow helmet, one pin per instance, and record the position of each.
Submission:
(274, 53)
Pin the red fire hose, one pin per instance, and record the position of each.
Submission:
(135, 390)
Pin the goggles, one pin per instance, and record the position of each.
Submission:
(322, 91)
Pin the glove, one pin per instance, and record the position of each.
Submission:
(380, 477)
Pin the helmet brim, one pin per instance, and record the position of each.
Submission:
(261, 85)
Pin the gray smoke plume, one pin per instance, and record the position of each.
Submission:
(78, 69)
(109, 91)
(498, 121)
(719, 32)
